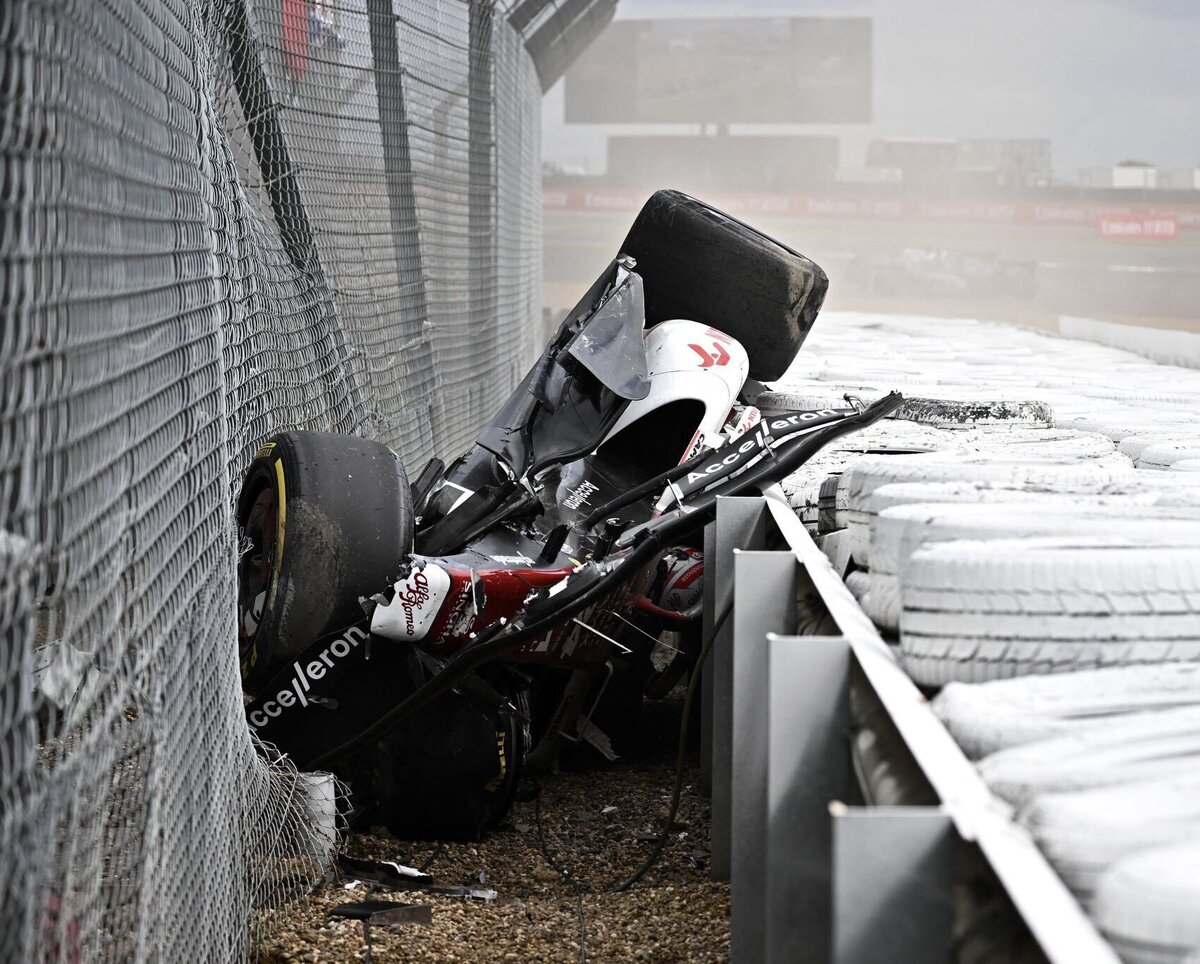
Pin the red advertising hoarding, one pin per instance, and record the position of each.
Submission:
(1150, 226)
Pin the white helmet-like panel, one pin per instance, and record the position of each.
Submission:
(687, 360)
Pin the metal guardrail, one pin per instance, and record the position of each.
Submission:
(813, 878)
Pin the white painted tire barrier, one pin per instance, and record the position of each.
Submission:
(1146, 904)
(1142, 746)
(985, 718)
(974, 611)
(1084, 832)
(862, 478)
(898, 532)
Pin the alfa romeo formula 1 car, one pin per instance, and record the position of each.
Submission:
(428, 642)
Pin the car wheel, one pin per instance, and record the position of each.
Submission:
(451, 771)
(323, 519)
(767, 297)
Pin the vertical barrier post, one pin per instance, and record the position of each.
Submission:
(764, 601)
(893, 870)
(808, 733)
(740, 523)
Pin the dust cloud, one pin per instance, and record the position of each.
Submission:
(1018, 161)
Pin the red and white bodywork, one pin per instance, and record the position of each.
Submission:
(448, 601)
(687, 360)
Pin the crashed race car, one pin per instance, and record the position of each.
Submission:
(431, 642)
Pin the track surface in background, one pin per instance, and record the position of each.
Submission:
(1063, 269)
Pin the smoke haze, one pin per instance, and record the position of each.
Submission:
(932, 205)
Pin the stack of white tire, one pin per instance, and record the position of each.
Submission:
(1040, 566)
(1102, 767)
(902, 530)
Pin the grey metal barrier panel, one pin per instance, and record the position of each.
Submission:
(869, 885)
(892, 881)
(808, 723)
(764, 598)
(797, 892)
(740, 523)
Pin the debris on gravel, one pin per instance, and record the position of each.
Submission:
(554, 864)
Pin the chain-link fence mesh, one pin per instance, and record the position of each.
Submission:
(218, 219)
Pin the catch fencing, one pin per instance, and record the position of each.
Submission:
(219, 219)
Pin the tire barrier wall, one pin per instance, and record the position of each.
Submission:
(220, 219)
(850, 825)
(1036, 568)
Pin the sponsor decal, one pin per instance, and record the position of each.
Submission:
(517, 560)
(580, 495)
(415, 606)
(296, 694)
(1161, 226)
(729, 459)
(462, 614)
(799, 418)
(757, 438)
(719, 357)
(684, 583)
(749, 417)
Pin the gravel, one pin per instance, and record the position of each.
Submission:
(554, 863)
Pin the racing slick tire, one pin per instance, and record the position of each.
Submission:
(767, 295)
(451, 771)
(323, 520)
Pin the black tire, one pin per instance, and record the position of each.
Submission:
(701, 264)
(450, 772)
(323, 520)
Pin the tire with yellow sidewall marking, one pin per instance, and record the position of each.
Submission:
(323, 519)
